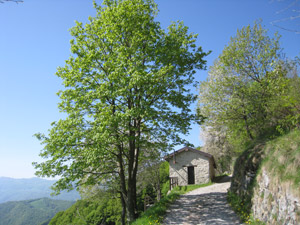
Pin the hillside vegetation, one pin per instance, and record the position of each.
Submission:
(127, 100)
(283, 159)
(251, 93)
(250, 104)
(266, 181)
(249, 100)
(105, 211)
(31, 212)
(102, 205)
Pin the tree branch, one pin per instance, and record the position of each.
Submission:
(16, 1)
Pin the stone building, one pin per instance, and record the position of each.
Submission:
(190, 166)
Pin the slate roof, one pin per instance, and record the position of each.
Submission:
(185, 149)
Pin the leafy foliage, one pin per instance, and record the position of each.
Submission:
(31, 211)
(165, 188)
(240, 206)
(125, 92)
(248, 91)
(101, 208)
(151, 182)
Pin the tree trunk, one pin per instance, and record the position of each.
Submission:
(158, 185)
(131, 215)
(123, 216)
(123, 189)
(131, 181)
(247, 127)
(131, 193)
(158, 191)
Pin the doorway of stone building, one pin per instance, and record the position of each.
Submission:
(191, 175)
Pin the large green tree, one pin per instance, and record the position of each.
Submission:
(243, 84)
(125, 91)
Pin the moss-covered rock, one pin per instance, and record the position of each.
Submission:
(245, 171)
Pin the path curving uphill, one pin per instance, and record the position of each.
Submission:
(207, 205)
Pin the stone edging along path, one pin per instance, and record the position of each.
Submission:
(207, 205)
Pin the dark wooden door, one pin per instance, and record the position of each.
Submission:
(191, 175)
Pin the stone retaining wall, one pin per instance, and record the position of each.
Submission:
(273, 202)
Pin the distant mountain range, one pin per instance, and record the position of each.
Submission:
(31, 212)
(32, 188)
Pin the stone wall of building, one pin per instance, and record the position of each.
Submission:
(211, 168)
(188, 158)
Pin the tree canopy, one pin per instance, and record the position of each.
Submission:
(246, 94)
(125, 93)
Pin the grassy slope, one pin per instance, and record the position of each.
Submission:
(31, 211)
(282, 160)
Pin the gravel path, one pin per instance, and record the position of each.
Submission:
(206, 205)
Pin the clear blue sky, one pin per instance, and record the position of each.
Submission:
(34, 41)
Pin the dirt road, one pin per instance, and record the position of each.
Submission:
(206, 205)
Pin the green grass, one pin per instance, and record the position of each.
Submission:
(283, 158)
(253, 221)
(155, 214)
(241, 208)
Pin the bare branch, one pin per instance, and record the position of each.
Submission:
(16, 1)
(288, 7)
(291, 30)
(292, 13)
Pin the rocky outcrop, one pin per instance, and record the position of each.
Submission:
(273, 202)
(245, 170)
(267, 198)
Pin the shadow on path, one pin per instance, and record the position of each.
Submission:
(222, 179)
(206, 208)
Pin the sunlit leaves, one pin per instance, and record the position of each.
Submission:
(125, 90)
(242, 83)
